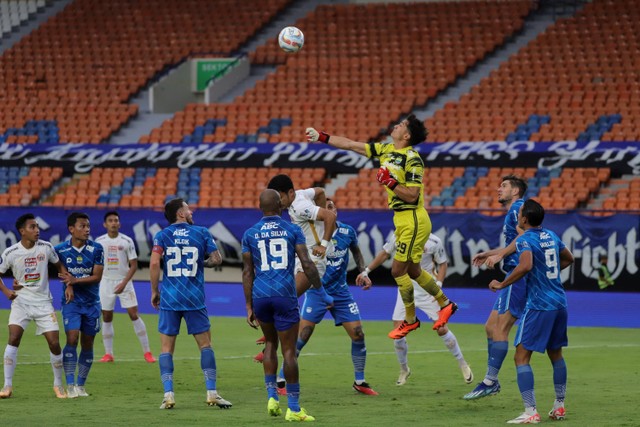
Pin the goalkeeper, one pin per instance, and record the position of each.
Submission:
(401, 171)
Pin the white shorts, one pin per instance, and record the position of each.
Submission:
(321, 264)
(422, 299)
(127, 298)
(43, 314)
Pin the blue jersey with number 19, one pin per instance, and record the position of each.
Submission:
(183, 248)
(544, 285)
(272, 245)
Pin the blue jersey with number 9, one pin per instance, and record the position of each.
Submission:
(544, 285)
(184, 248)
(272, 245)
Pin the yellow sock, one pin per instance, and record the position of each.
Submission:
(406, 293)
(428, 283)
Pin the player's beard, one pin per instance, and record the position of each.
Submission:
(190, 220)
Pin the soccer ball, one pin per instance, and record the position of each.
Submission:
(291, 39)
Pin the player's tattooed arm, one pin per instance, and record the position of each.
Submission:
(214, 259)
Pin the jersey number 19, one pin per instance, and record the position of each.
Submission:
(278, 253)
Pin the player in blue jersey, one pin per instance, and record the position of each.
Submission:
(84, 261)
(269, 249)
(510, 301)
(184, 250)
(336, 297)
(543, 326)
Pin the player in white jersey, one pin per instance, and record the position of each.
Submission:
(31, 299)
(433, 251)
(120, 264)
(307, 210)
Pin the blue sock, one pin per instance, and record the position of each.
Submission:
(84, 365)
(359, 358)
(208, 365)
(498, 352)
(560, 378)
(525, 384)
(69, 361)
(299, 346)
(165, 360)
(489, 344)
(270, 383)
(293, 396)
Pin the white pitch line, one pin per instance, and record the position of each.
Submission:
(370, 353)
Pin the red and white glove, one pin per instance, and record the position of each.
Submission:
(313, 136)
(384, 177)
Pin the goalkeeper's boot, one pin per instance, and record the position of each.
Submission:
(169, 401)
(525, 418)
(301, 415)
(444, 314)
(364, 388)
(6, 392)
(483, 390)
(403, 329)
(557, 413)
(273, 407)
(214, 399)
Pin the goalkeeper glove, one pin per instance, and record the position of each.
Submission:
(384, 177)
(313, 136)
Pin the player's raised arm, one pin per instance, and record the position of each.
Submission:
(336, 141)
(308, 266)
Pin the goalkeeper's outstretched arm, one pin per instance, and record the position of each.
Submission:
(336, 141)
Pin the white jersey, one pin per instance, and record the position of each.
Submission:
(433, 249)
(118, 252)
(304, 212)
(30, 267)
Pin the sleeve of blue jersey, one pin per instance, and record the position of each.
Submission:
(210, 244)
(98, 258)
(522, 245)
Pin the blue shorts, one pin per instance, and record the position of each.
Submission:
(345, 309)
(197, 321)
(85, 318)
(542, 330)
(512, 298)
(280, 311)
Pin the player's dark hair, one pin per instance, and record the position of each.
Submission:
(75, 216)
(533, 211)
(108, 214)
(22, 220)
(281, 183)
(518, 182)
(417, 130)
(171, 209)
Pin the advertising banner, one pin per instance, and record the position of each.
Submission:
(464, 235)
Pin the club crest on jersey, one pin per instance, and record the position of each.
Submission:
(41, 257)
(78, 259)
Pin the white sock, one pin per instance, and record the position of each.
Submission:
(58, 371)
(402, 352)
(10, 360)
(452, 344)
(107, 337)
(141, 331)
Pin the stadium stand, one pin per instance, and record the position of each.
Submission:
(15, 13)
(576, 81)
(21, 186)
(339, 82)
(81, 67)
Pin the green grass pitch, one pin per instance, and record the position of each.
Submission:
(603, 387)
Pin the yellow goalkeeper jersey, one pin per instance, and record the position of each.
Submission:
(405, 165)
